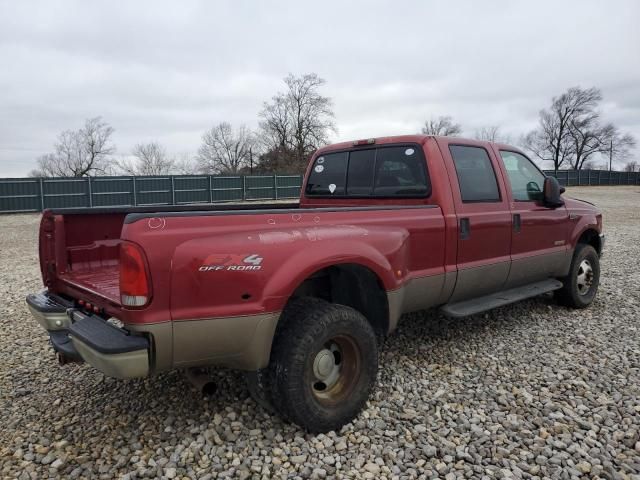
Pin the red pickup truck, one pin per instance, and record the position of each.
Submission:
(298, 294)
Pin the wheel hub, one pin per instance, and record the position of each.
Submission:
(584, 280)
(323, 364)
(327, 367)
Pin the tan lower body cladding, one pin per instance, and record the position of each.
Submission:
(419, 294)
(236, 342)
(422, 293)
(244, 342)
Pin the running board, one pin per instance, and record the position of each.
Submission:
(505, 297)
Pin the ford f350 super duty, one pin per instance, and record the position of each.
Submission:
(297, 295)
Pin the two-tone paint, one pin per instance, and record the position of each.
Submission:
(412, 246)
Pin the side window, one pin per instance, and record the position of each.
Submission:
(525, 179)
(328, 175)
(475, 174)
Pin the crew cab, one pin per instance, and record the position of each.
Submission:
(297, 295)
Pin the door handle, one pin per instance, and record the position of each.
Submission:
(517, 223)
(465, 228)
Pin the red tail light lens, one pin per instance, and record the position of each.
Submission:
(135, 288)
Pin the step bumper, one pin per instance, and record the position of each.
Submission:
(78, 336)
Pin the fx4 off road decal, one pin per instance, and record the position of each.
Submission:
(231, 261)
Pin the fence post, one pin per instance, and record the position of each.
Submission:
(599, 177)
(41, 195)
(244, 187)
(90, 192)
(173, 191)
(210, 189)
(275, 186)
(135, 192)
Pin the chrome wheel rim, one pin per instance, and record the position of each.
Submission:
(335, 370)
(584, 280)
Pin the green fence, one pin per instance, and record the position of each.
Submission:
(37, 194)
(573, 178)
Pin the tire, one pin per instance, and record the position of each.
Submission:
(260, 388)
(323, 364)
(259, 382)
(581, 285)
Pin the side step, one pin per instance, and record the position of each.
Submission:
(505, 297)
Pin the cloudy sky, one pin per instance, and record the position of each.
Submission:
(167, 71)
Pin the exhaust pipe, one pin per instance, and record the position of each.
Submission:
(201, 380)
(65, 359)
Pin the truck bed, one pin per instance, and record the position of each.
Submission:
(79, 247)
(103, 281)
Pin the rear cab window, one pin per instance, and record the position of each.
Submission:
(382, 172)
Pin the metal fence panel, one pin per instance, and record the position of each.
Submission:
(227, 189)
(112, 191)
(65, 192)
(571, 178)
(20, 195)
(36, 194)
(191, 189)
(260, 188)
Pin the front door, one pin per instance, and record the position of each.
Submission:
(484, 219)
(539, 243)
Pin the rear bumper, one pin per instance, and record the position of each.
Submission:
(112, 350)
(242, 342)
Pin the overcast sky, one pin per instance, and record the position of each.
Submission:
(167, 71)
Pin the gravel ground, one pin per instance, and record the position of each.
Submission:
(527, 391)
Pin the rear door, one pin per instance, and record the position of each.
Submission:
(539, 246)
(484, 219)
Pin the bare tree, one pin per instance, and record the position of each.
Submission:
(588, 138)
(224, 150)
(295, 123)
(150, 159)
(552, 141)
(185, 164)
(442, 126)
(81, 152)
(492, 133)
(632, 166)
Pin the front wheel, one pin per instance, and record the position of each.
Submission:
(581, 285)
(323, 364)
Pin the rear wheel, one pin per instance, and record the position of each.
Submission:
(323, 365)
(581, 285)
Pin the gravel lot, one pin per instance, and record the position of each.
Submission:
(527, 391)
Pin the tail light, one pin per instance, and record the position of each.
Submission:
(135, 288)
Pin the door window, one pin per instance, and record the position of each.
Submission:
(476, 176)
(525, 179)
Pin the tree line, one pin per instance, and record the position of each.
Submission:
(571, 134)
(299, 119)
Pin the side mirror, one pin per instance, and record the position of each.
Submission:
(551, 193)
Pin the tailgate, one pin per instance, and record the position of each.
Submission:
(79, 254)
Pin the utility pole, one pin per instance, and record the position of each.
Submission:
(610, 153)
